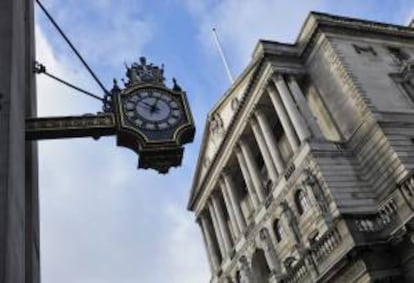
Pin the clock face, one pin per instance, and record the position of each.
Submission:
(152, 109)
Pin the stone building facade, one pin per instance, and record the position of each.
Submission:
(306, 166)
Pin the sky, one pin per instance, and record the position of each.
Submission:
(102, 220)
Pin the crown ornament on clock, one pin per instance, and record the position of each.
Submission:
(141, 73)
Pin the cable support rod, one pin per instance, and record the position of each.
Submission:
(41, 69)
(72, 47)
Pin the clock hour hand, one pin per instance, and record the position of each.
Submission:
(148, 106)
(154, 107)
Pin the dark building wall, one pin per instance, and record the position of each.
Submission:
(18, 164)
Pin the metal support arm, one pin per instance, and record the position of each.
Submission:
(94, 126)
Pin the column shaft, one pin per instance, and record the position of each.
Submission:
(270, 140)
(283, 118)
(231, 190)
(217, 230)
(208, 239)
(222, 224)
(253, 171)
(247, 179)
(267, 158)
(293, 112)
(230, 210)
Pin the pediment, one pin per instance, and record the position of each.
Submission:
(218, 121)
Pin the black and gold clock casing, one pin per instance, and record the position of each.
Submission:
(153, 120)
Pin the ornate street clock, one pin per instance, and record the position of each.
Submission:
(146, 116)
(152, 119)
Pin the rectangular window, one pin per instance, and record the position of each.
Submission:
(398, 54)
(405, 85)
(364, 49)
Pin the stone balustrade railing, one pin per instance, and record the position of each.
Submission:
(325, 245)
(317, 253)
(379, 221)
(297, 273)
(407, 186)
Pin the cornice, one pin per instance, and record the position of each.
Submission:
(317, 23)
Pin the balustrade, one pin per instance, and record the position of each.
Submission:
(297, 273)
(378, 221)
(323, 247)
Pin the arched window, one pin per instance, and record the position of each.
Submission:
(289, 263)
(301, 202)
(278, 230)
(238, 277)
(260, 267)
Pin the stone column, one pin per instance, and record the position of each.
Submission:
(230, 209)
(247, 179)
(217, 230)
(304, 107)
(208, 240)
(222, 224)
(283, 118)
(270, 140)
(293, 112)
(253, 170)
(231, 190)
(267, 158)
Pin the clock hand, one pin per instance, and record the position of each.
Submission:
(145, 103)
(148, 107)
(154, 105)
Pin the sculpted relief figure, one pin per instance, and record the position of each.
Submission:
(312, 182)
(292, 221)
(246, 271)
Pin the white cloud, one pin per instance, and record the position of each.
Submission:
(188, 257)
